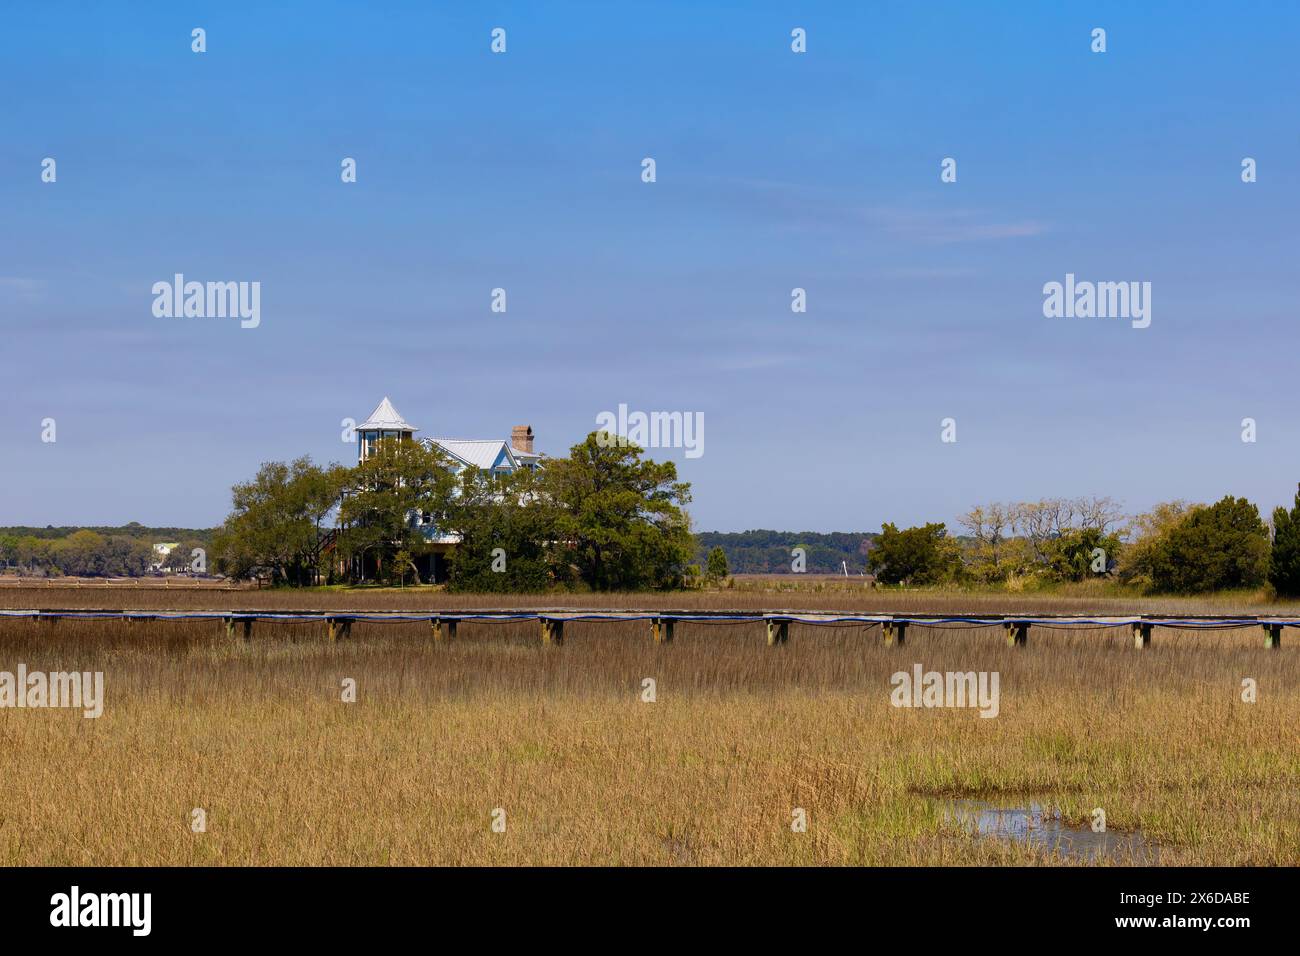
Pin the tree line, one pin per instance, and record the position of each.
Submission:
(768, 552)
(1177, 547)
(95, 552)
(603, 518)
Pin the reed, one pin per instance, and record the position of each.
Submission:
(740, 734)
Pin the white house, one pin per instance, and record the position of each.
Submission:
(494, 455)
(489, 454)
(161, 552)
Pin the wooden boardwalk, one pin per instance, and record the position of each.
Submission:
(551, 621)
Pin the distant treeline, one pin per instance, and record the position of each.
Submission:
(771, 552)
(126, 551)
(132, 530)
(1175, 548)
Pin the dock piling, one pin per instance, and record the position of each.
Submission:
(247, 622)
(778, 631)
(895, 633)
(552, 631)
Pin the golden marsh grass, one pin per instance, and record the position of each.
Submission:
(441, 734)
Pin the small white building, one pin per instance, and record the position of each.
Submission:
(160, 553)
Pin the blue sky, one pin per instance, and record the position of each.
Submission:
(775, 170)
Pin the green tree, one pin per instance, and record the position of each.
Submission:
(125, 556)
(923, 555)
(716, 568)
(277, 525)
(80, 554)
(620, 518)
(1072, 553)
(392, 499)
(507, 533)
(1284, 566)
(8, 550)
(1223, 546)
(33, 555)
(1150, 532)
(136, 555)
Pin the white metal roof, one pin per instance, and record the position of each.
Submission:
(386, 418)
(481, 453)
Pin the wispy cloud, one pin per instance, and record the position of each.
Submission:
(26, 290)
(942, 227)
(930, 273)
(814, 208)
(748, 363)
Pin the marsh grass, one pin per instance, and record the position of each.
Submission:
(441, 734)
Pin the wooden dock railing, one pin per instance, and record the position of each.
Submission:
(894, 627)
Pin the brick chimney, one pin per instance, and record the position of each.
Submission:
(521, 438)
